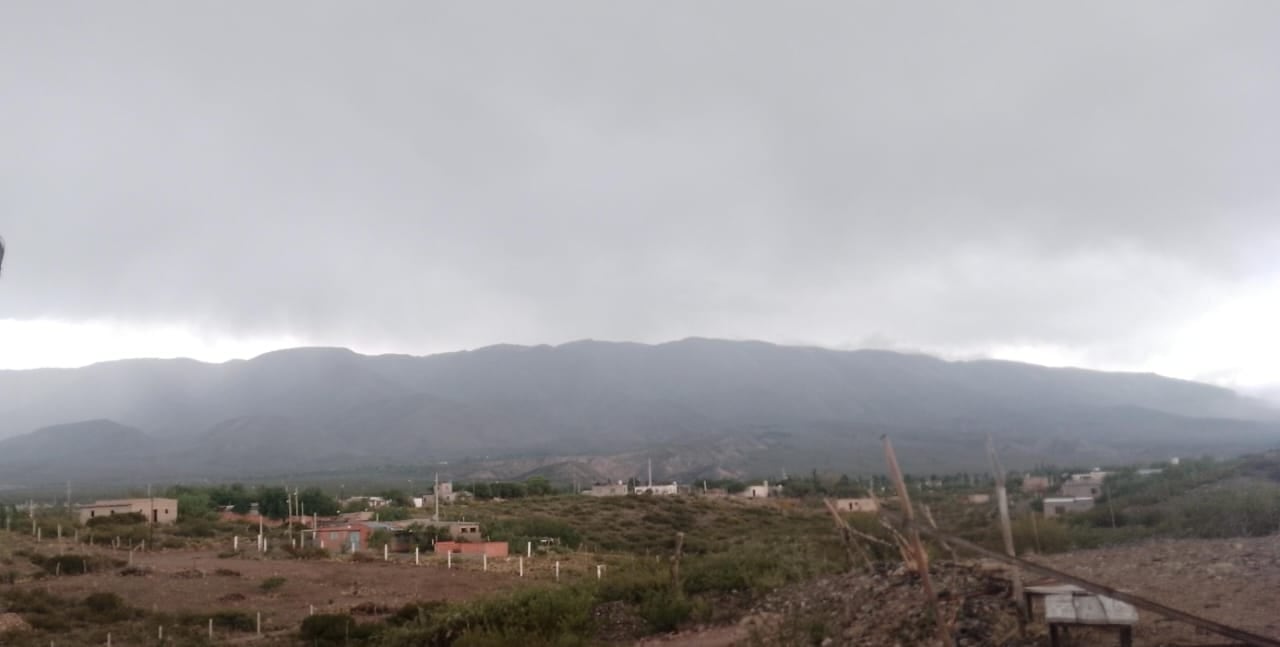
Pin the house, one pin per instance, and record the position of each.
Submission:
(1035, 483)
(464, 531)
(1082, 488)
(1056, 506)
(370, 502)
(857, 505)
(762, 491)
(977, 499)
(607, 489)
(155, 509)
(659, 490)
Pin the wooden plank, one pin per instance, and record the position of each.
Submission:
(1119, 613)
(1058, 608)
(1051, 589)
(1089, 610)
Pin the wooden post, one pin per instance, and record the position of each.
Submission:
(921, 557)
(1006, 529)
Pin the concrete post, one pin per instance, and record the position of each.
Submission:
(557, 571)
(521, 567)
(415, 557)
(484, 557)
(385, 554)
(449, 559)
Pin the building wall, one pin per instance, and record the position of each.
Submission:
(658, 490)
(157, 510)
(490, 548)
(1054, 507)
(857, 505)
(610, 489)
(1081, 488)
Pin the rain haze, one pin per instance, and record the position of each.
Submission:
(1088, 184)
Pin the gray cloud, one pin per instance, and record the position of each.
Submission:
(424, 175)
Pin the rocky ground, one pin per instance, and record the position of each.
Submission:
(1234, 582)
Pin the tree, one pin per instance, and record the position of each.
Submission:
(273, 502)
(315, 501)
(538, 486)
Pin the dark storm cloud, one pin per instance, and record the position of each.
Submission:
(424, 174)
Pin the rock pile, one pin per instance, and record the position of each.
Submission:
(887, 608)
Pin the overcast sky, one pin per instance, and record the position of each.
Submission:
(1089, 183)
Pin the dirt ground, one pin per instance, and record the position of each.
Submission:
(177, 581)
(1232, 581)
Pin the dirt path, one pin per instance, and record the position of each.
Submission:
(177, 581)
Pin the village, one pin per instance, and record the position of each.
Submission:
(365, 556)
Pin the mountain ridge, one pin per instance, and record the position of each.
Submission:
(733, 406)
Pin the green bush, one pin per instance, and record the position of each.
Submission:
(334, 629)
(125, 519)
(271, 584)
(665, 611)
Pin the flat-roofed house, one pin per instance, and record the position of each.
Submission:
(155, 509)
(1057, 506)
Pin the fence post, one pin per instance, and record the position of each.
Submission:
(485, 560)
(449, 558)
(599, 571)
(210, 629)
(385, 554)
(259, 623)
(557, 570)
(521, 567)
(415, 557)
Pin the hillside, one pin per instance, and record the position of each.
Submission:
(597, 410)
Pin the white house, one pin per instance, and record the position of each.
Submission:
(659, 490)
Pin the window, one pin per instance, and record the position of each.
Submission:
(92, 513)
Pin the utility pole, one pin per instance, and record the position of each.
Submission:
(435, 495)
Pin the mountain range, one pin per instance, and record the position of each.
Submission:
(588, 410)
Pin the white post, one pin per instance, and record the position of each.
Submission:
(530, 550)
(235, 543)
(415, 557)
(259, 623)
(484, 561)
(521, 567)
(384, 553)
(108, 639)
(312, 612)
(557, 570)
(210, 629)
(599, 570)
(160, 633)
(449, 558)
(264, 544)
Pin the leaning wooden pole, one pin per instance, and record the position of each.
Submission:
(921, 558)
(1006, 528)
(1213, 626)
